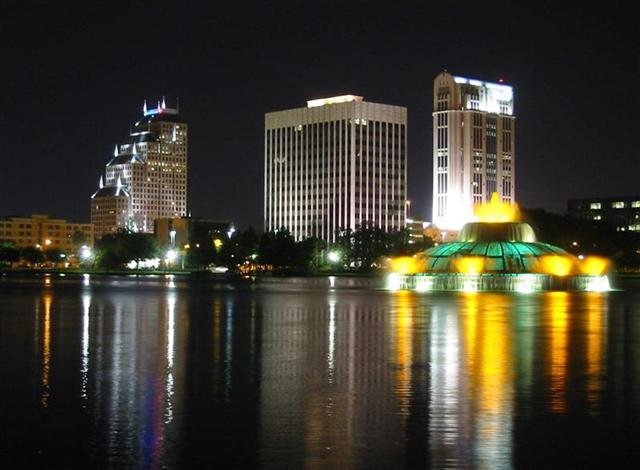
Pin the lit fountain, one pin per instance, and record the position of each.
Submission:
(498, 253)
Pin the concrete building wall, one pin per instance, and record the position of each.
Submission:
(336, 164)
(473, 147)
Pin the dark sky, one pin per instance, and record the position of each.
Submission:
(73, 79)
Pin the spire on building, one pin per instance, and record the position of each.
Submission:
(115, 151)
(101, 184)
(164, 104)
(144, 107)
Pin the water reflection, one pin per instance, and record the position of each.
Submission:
(326, 379)
(46, 350)
(557, 313)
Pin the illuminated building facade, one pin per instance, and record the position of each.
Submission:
(473, 147)
(147, 176)
(42, 232)
(623, 213)
(336, 164)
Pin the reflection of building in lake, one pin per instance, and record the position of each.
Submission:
(132, 368)
(334, 364)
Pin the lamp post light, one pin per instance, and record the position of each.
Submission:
(85, 253)
(170, 257)
(334, 256)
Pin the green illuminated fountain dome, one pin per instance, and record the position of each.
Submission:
(505, 247)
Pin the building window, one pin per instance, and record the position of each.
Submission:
(595, 206)
(635, 204)
(597, 217)
(618, 205)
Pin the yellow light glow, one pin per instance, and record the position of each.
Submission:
(557, 324)
(217, 243)
(470, 264)
(47, 242)
(496, 211)
(594, 265)
(46, 351)
(405, 265)
(556, 265)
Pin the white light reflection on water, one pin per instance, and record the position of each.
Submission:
(171, 311)
(84, 368)
(331, 335)
(444, 407)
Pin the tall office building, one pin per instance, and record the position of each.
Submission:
(147, 177)
(336, 164)
(473, 147)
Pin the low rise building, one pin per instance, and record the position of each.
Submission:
(623, 213)
(40, 231)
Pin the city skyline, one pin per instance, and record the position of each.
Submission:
(81, 97)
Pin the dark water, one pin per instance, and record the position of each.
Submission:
(113, 372)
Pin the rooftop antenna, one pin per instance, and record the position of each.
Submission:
(164, 105)
(144, 107)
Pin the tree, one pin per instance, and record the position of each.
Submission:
(278, 249)
(199, 256)
(241, 247)
(9, 253)
(114, 251)
(32, 255)
(78, 238)
(53, 255)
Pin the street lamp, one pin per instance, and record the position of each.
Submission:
(171, 256)
(85, 252)
(333, 256)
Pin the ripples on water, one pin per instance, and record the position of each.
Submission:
(162, 373)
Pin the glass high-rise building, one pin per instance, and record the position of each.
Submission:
(147, 177)
(334, 165)
(473, 147)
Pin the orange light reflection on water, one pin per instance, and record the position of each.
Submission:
(403, 330)
(596, 334)
(488, 347)
(46, 351)
(557, 311)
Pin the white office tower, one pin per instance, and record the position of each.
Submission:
(473, 147)
(336, 164)
(147, 177)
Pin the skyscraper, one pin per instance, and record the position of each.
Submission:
(147, 177)
(336, 164)
(473, 146)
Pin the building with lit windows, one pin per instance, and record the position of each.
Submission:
(335, 164)
(623, 213)
(147, 177)
(40, 231)
(473, 147)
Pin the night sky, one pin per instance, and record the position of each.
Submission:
(73, 81)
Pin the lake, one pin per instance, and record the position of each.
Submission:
(163, 372)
